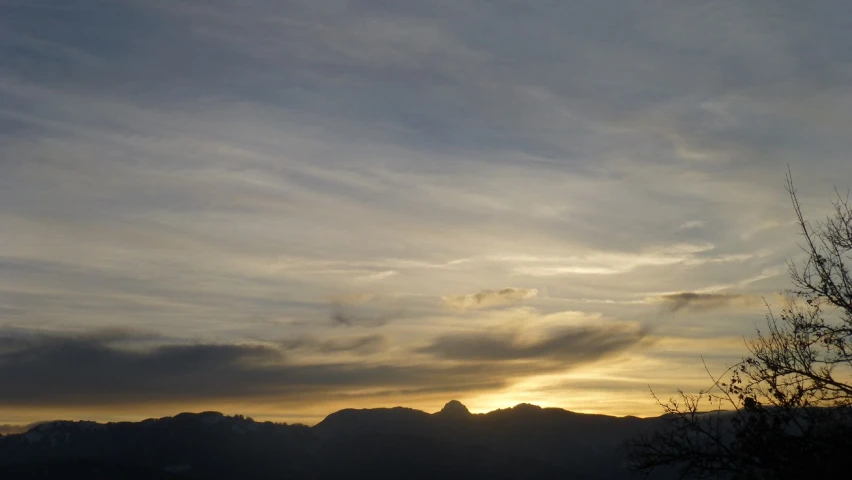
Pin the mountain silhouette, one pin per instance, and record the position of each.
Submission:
(454, 409)
(525, 441)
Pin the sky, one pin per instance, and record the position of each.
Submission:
(283, 208)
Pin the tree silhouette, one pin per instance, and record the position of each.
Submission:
(785, 410)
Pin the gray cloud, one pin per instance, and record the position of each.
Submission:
(93, 370)
(346, 318)
(700, 302)
(365, 311)
(572, 346)
(363, 345)
(490, 298)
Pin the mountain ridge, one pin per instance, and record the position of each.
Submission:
(451, 408)
(524, 441)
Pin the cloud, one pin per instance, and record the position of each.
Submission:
(701, 302)
(691, 224)
(346, 318)
(375, 277)
(601, 262)
(38, 370)
(365, 310)
(352, 298)
(363, 345)
(573, 346)
(489, 298)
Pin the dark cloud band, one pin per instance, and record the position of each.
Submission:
(115, 369)
(573, 346)
(697, 302)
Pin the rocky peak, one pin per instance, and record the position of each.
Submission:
(454, 408)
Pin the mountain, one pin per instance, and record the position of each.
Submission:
(525, 441)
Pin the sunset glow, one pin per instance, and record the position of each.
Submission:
(289, 208)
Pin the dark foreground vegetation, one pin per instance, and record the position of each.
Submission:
(785, 411)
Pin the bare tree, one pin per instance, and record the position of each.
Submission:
(785, 411)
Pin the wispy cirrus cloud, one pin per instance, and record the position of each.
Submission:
(700, 302)
(600, 153)
(362, 345)
(489, 298)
